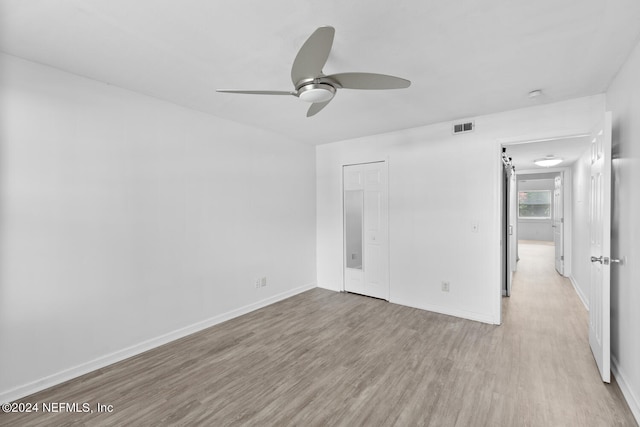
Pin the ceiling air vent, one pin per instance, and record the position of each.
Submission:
(463, 127)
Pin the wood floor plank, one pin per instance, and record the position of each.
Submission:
(332, 359)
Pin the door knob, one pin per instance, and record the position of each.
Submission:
(607, 260)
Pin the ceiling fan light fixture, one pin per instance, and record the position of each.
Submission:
(316, 92)
(548, 161)
(315, 87)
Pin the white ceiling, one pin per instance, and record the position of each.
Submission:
(569, 149)
(464, 58)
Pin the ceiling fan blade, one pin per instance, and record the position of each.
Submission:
(313, 55)
(369, 81)
(258, 92)
(316, 107)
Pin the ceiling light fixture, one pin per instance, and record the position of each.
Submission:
(548, 161)
(316, 92)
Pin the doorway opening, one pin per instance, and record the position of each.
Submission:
(540, 212)
(537, 204)
(586, 205)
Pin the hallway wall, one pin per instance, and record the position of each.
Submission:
(581, 267)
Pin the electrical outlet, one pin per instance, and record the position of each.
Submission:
(445, 286)
(263, 281)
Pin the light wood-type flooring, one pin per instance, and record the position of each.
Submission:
(323, 358)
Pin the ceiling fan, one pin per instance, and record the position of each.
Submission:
(312, 85)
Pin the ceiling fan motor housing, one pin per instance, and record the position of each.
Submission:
(316, 92)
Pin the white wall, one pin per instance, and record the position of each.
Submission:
(127, 221)
(581, 266)
(623, 99)
(536, 229)
(439, 184)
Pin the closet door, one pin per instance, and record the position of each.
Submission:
(366, 229)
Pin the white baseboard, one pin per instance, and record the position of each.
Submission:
(331, 287)
(581, 295)
(629, 395)
(117, 356)
(469, 315)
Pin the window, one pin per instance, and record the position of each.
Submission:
(534, 204)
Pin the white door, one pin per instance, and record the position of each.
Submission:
(366, 229)
(600, 238)
(512, 223)
(558, 224)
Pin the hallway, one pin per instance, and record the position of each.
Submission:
(548, 345)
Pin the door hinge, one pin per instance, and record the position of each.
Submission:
(561, 257)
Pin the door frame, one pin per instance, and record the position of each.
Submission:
(509, 249)
(501, 188)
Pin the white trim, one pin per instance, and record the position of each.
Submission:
(581, 295)
(469, 315)
(499, 223)
(544, 137)
(332, 287)
(631, 398)
(543, 171)
(567, 195)
(117, 356)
